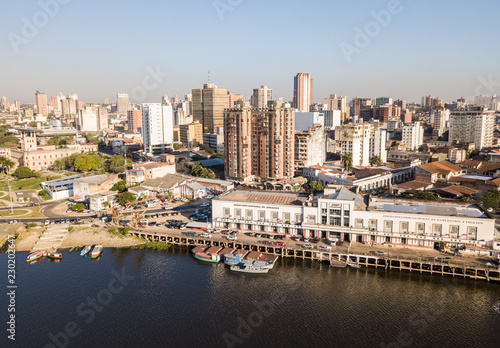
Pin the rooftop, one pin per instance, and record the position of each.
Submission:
(93, 180)
(265, 197)
(428, 208)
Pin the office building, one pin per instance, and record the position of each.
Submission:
(332, 119)
(134, 120)
(472, 125)
(261, 96)
(413, 136)
(215, 140)
(157, 127)
(192, 133)
(122, 103)
(383, 101)
(305, 120)
(208, 106)
(259, 143)
(336, 103)
(92, 118)
(303, 92)
(41, 103)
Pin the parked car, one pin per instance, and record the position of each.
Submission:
(458, 253)
(205, 205)
(280, 243)
(380, 252)
(206, 235)
(324, 247)
(230, 237)
(307, 246)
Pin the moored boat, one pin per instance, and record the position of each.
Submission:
(97, 251)
(233, 259)
(54, 256)
(35, 256)
(85, 250)
(72, 249)
(207, 257)
(340, 264)
(246, 268)
(264, 264)
(354, 265)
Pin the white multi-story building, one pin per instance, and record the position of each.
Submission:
(261, 96)
(472, 125)
(305, 120)
(413, 136)
(363, 141)
(344, 216)
(310, 148)
(87, 119)
(122, 103)
(157, 127)
(439, 119)
(333, 119)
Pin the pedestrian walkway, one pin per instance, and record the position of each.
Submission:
(52, 237)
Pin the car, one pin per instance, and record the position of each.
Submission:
(217, 230)
(443, 259)
(280, 243)
(206, 235)
(152, 223)
(47, 222)
(331, 242)
(205, 205)
(67, 221)
(307, 246)
(314, 240)
(306, 239)
(380, 252)
(258, 235)
(182, 227)
(458, 253)
(252, 234)
(13, 222)
(296, 238)
(159, 224)
(324, 247)
(230, 237)
(191, 233)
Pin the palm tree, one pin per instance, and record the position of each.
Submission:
(347, 161)
(5, 164)
(376, 161)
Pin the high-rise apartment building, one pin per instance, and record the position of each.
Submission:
(383, 101)
(134, 119)
(363, 141)
(157, 127)
(439, 118)
(122, 103)
(233, 98)
(413, 136)
(261, 96)
(337, 103)
(303, 92)
(358, 104)
(208, 106)
(472, 125)
(310, 148)
(41, 103)
(259, 143)
(92, 118)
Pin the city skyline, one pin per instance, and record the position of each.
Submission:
(378, 48)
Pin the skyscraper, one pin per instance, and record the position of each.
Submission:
(134, 119)
(41, 103)
(208, 106)
(303, 92)
(261, 96)
(122, 103)
(413, 136)
(157, 127)
(473, 124)
(259, 143)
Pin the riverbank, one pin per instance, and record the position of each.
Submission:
(79, 235)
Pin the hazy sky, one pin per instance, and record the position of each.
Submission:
(99, 48)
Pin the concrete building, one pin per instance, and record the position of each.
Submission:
(122, 103)
(472, 125)
(157, 127)
(60, 188)
(413, 136)
(383, 101)
(334, 103)
(305, 120)
(310, 148)
(259, 143)
(134, 120)
(261, 96)
(215, 140)
(344, 216)
(92, 118)
(208, 106)
(41, 103)
(303, 92)
(434, 172)
(152, 170)
(332, 119)
(85, 187)
(363, 140)
(457, 155)
(192, 132)
(440, 116)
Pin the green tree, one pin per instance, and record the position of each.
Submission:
(217, 155)
(198, 170)
(490, 200)
(116, 163)
(106, 204)
(91, 138)
(58, 164)
(22, 172)
(207, 149)
(126, 197)
(315, 186)
(423, 148)
(347, 161)
(177, 146)
(85, 163)
(120, 186)
(78, 207)
(5, 164)
(376, 161)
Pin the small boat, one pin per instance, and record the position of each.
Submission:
(246, 268)
(264, 264)
(231, 260)
(97, 251)
(85, 250)
(207, 257)
(354, 265)
(72, 249)
(54, 256)
(35, 256)
(340, 264)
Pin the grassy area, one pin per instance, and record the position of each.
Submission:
(24, 184)
(159, 246)
(16, 212)
(35, 212)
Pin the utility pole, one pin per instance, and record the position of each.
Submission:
(11, 200)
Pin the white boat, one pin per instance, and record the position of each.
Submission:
(264, 264)
(97, 251)
(245, 268)
(85, 250)
(354, 265)
(35, 256)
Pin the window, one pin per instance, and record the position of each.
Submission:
(436, 229)
(335, 220)
(226, 213)
(358, 223)
(262, 215)
(471, 233)
(387, 226)
(274, 216)
(403, 227)
(298, 217)
(454, 232)
(337, 212)
(237, 214)
(324, 219)
(286, 218)
(420, 228)
(346, 221)
(372, 224)
(346, 212)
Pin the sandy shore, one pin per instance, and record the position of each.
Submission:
(82, 235)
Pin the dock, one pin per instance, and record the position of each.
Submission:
(480, 273)
(52, 238)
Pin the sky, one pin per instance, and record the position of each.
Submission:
(365, 48)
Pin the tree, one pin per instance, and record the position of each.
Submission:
(376, 161)
(78, 207)
(177, 146)
(91, 138)
(198, 170)
(126, 197)
(347, 161)
(207, 149)
(120, 186)
(423, 148)
(217, 155)
(85, 163)
(315, 186)
(22, 172)
(106, 204)
(116, 163)
(58, 164)
(5, 164)
(490, 200)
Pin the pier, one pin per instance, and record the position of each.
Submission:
(321, 256)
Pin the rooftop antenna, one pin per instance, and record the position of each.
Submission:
(209, 77)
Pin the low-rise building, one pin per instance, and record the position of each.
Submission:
(60, 188)
(440, 171)
(85, 187)
(152, 170)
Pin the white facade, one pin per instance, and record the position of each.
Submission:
(157, 125)
(333, 119)
(475, 125)
(305, 120)
(413, 136)
(87, 119)
(363, 141)
(340, 216)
